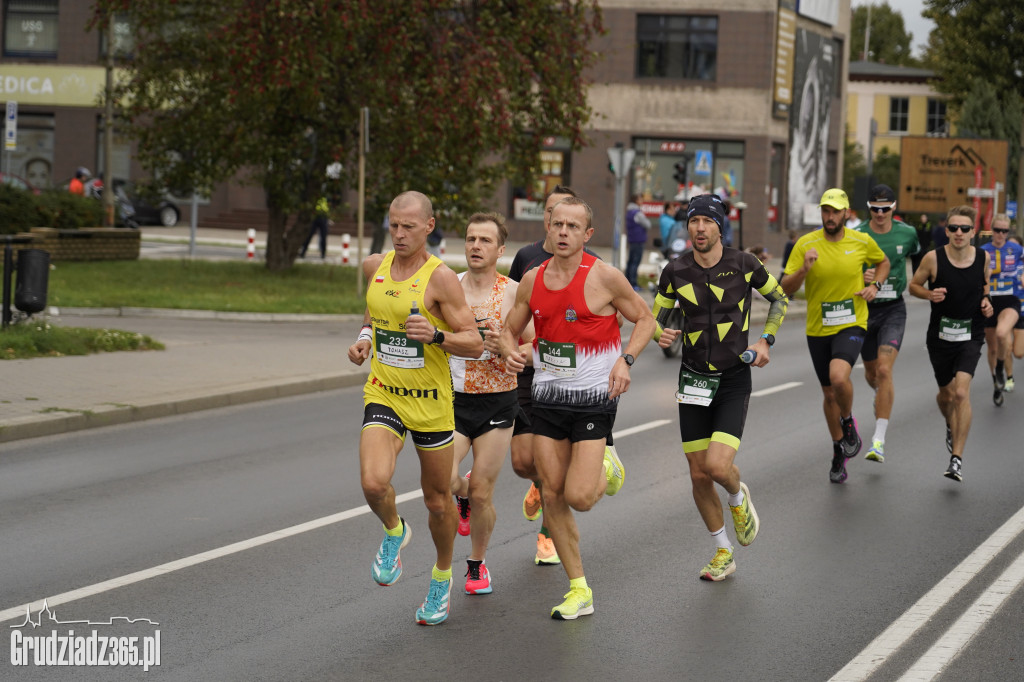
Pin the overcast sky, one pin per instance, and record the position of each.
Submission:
(912, 20)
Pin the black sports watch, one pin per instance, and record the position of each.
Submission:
(438, 337)
(770, 338)
(629, 359)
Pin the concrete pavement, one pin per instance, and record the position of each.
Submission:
(211, 360)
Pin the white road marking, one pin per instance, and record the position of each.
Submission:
(776, 389)
(903, 628)
(227, 550)
(968, 625)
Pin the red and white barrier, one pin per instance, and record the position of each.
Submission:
(250, 249)
(344, 249)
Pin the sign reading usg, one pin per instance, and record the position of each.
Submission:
(936, 172)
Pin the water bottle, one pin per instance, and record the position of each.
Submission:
(415, 309)
(748, 356)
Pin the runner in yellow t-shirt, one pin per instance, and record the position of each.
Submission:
(829, 263)
(416, 315)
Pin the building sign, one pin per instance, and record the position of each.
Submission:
(785, 49)
(936, 172)
(58, 86)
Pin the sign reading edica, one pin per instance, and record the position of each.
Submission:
(936, 172)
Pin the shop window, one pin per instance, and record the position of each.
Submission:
(30, 28)
(676, 46)
(528, 202)
(899, 114)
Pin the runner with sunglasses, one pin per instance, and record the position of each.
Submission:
(887, 313)
(956, 276)
(831, 261)
(1004, 257)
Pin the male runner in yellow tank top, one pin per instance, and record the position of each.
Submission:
(416, 315)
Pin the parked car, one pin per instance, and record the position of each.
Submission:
(143, 209)
(19, 182)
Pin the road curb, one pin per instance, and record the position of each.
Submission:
(68, 421)
(187, 314)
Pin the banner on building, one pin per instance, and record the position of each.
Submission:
(809, 122)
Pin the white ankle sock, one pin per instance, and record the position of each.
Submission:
(721, 539)
(880, 426)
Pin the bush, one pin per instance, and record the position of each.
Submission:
(21, 210)
(66, 211)
(18, 210)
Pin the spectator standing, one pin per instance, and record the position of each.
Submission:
(924, 238)
(637, 225)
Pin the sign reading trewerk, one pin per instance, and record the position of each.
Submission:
(936, 172)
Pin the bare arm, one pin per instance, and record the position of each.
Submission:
(925, 273)
(793, 281)
(869, 292)
(445, 295)
(634, 309)
(516, 323)
(359, 351)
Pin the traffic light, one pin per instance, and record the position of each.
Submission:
(680, 174)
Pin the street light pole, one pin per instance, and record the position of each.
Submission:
(621, 160)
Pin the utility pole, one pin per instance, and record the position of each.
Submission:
(867, 36)
(364, 147)
(108, 129)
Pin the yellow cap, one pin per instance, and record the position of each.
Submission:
(836, 198)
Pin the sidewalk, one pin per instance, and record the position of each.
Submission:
(211, 360)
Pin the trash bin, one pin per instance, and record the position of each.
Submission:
(32, 280)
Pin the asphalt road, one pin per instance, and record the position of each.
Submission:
(129, 512)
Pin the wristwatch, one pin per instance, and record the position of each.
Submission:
(878, 285)
(438, 337)
(629, 359)
(770, 338)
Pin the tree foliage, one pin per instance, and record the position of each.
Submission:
(460, 94)
(977, 53)
(889, 42)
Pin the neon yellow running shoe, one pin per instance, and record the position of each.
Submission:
(613, 470)
(578, 602)
(877, 452)
(532, 504)
(744, 518)
(720, 567)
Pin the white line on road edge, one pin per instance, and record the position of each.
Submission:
(776, 389)
(967, 626)
(896, 635)
(196, 559)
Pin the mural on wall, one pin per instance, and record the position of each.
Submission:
(813, 88)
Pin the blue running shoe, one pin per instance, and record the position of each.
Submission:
(434, 610)
(387, 566)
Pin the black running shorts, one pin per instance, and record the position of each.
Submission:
(376, 415)
(886, 324)
(478, 413)
(843, 345)
(950, 357)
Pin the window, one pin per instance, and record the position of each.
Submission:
(676, 46)
(937, 124)
(899, 108)
(30, 28)
(124, 37)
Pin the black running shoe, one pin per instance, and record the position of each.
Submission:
(850, 442)
(954, 470)
(837, 474)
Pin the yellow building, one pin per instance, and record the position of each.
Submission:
(899, 100)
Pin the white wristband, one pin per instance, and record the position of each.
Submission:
(364, 334)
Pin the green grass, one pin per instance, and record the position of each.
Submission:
(205, 285)
(33, 339)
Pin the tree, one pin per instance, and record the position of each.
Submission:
(977, 54)
(854, 164)
(886, 168)
(889, 40)
(460, 93)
